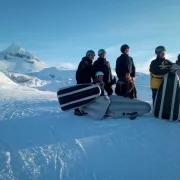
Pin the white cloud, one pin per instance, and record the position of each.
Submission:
(172, 57)
(144, 67)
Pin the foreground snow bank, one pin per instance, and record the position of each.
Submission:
(56, 145)
(38, 141)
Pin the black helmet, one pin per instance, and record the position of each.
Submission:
(124, 47)
(179, 57)
(90, 52)
(159, 49)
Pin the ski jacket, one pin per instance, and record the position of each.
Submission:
(103, 65)
(125, 64)
(85, 71)
(158, 68)
(178, 62)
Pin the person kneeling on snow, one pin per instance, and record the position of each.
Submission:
(102, 65)
(99, 80)
(125, 70)
(84, 73)
(158, 68)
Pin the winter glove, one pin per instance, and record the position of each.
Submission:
(133, 78)
(127, 75)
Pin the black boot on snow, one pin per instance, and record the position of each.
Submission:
(77, 112)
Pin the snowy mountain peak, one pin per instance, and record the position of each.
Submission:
(16, 50)
(13, 49)
(17, 59)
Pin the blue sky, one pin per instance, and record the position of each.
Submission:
(61, 31)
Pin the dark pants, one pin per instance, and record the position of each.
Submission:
(108, 88)
(134, 92)
(82, 82)
(154, 92)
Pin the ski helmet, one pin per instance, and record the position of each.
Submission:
(99, 73)
(124, 47)
(101, 51)
(90, 52)
(159, 49)
(179, 57)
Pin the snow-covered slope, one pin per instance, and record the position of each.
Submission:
(4, 80)
(58, 77)
(54, 73)
(16, 59)
(38, 141)
(26, 80)
(55, 78)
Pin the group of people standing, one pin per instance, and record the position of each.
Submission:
(100, 72)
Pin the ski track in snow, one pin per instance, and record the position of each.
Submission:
(59, 163)
(81, 146)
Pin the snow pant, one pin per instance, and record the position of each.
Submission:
(108, 88)
(154, 92)
(81, 82)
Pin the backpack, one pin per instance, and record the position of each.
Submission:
(125, 87)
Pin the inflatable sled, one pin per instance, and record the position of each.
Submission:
(87, 97)
(77, 96)
(126, 107)
(115, 107)
(167, 101)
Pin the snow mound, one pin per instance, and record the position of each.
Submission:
(16, 59)
(5, 80)
(54, 73)
(26, 80)
(55, 78)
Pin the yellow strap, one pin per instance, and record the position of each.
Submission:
(163, 67)
(156, 76)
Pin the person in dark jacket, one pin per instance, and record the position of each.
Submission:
(158, 68)
(126, 72)
(84, 73)
(102, 65)
(178, 60)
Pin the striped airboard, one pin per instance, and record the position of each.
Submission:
(77, 96)
(167, 102)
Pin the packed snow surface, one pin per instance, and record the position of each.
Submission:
(40, 142)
